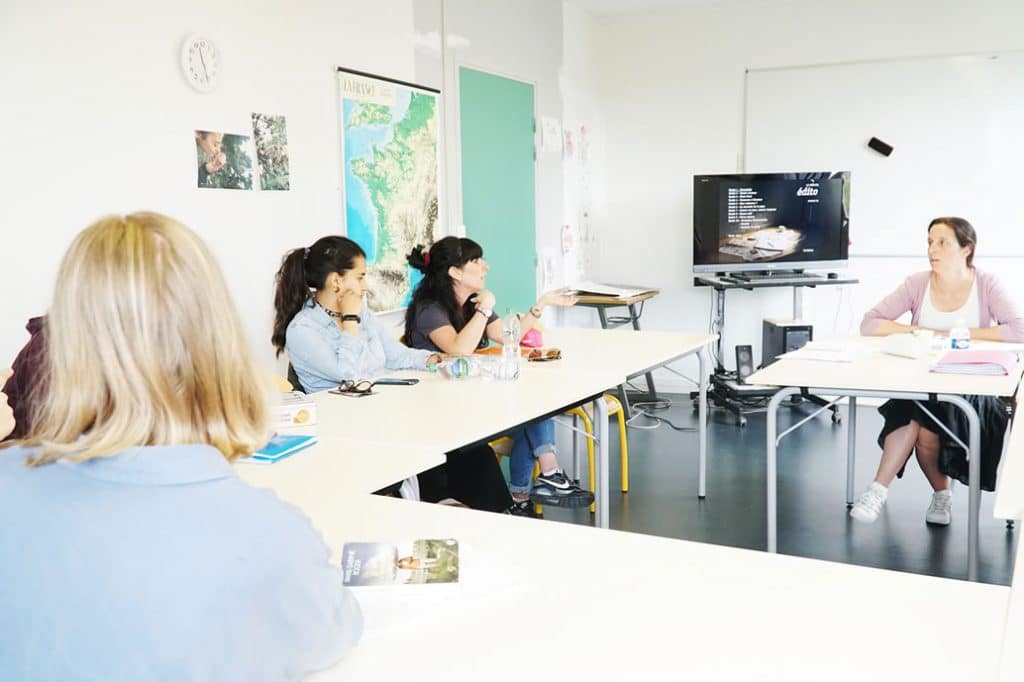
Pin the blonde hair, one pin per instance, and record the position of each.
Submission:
(145, 347)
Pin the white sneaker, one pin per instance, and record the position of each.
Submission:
(940, 510)
(869, 504)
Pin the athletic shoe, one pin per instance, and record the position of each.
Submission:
(556, 480)
(869, 504)
(940, 510)
(522, 508)
(557, 490)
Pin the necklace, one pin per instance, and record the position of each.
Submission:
(330, 312)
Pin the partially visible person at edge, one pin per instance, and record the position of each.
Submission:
(323, 323)
(453, 312)
(7, 420)
(952, 290)
(26, 383)
(128, 567)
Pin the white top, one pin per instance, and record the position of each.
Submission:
(969, 312)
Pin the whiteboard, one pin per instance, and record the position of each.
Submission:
(956, 125)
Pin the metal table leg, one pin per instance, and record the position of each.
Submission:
(851, 449)
(635, 319)
(601, 452)
(974, 471)
(702, 423)
(771, 457)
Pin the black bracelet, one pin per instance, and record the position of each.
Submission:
(351, 318)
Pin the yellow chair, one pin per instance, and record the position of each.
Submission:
(614, 409)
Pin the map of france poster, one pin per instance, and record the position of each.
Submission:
(390, 154)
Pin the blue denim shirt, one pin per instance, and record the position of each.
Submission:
(323, 355)
(161, 564)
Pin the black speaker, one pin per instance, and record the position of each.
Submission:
(744, 363)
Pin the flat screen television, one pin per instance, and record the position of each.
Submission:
(771, 221)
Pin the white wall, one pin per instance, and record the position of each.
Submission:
(98, 119)
(671, 89)
(518, 40)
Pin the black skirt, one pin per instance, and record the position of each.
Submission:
(993, 417)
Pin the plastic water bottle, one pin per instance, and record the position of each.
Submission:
(960, 335)
(459, 367)
(510, 346)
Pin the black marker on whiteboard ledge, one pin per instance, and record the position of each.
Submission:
(880, 147)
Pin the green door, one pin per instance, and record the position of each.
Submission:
(498, 203)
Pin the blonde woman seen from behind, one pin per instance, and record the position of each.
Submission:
(157, 563)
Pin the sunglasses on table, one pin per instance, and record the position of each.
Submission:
(354, 388)
(365, 386)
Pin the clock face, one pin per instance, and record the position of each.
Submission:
(200, 63)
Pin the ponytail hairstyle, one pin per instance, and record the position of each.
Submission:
(437, 285)
(308, 268)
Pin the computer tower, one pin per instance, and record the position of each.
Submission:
(783, 336)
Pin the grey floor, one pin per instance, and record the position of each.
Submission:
(813, 520)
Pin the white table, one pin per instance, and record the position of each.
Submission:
(341, 466)
(874, 374)
(414, 425)
(636, 607)
(1009, 503)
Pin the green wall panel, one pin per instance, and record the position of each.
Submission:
(498, 192)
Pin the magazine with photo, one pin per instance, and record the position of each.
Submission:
(418, 562)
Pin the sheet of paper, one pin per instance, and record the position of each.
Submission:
(606, 290)
(550, 134)
(821, 355)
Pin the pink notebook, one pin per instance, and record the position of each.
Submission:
(985, 362)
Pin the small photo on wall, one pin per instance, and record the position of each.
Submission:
(224, 160)
(271, 151)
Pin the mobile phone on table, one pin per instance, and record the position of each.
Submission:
(395, 381)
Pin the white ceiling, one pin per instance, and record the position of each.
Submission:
(625, 6)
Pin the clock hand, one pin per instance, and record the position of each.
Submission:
(202, 60)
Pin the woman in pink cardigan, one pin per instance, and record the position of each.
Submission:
(953, 290)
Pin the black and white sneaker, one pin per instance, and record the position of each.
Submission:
(558, 490)
(523, 508)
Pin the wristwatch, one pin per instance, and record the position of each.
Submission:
(351, 318)
(486, 312)
(536, 311)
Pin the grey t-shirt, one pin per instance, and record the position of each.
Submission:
(428, 318)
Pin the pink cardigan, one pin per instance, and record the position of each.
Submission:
(995, 305)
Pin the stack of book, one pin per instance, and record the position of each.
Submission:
(281, 446)
(980, 362)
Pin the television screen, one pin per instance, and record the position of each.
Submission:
(770, 221)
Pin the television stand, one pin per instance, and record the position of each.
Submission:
(774, 275)
(724, 390)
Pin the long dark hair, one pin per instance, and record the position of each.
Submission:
(964, 231)
(303, 269)
(436, 285)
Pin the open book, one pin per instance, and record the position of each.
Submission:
(413, 563)
(594, 289)
(984, 362)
